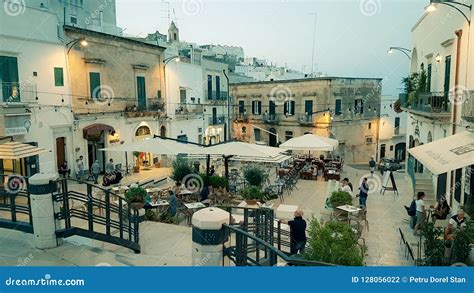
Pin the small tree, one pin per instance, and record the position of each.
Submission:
(333, 242)
(255, 175)
(181, 168)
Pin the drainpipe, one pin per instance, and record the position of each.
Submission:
(455, 108)
(456, 78)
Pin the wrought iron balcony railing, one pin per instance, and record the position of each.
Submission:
(271, 118)
(305, 119)
(189, 109)
(431, 103)
(217, 120)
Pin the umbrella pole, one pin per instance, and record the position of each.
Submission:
(126, 162)
(208, 163)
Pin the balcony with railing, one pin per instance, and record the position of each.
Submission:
(432, 104)
(242, 117)
(305, 120)
(217, 120)
(15, 92)
(271, 118)
(131, 106)
(216, 96)
(468, 107)
(186, 110)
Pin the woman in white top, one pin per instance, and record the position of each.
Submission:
(420, 211)
(347, 188)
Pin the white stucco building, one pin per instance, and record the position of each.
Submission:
(392, 130)
(440, 48)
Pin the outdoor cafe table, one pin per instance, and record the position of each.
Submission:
(348, 208)
(332, 175)
(185, 194)
(159, 205)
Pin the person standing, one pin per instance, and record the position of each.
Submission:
(420, 211)
(372, 165)
(363, 193)
(297, 233)
(64, 170)
(109, 167)
(95, 170)
(80, 167)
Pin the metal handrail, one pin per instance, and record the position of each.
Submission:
(273, 250)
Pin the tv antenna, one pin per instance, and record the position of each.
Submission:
(314, 42)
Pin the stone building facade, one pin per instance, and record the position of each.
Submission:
(347, 109)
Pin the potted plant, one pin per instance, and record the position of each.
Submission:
(135, 197)
(340, 198)
(255, 175)
(252, 195)
(181, 168)
(136, 168)
(333, 242)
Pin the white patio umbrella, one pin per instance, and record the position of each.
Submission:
(241, 149)
(156, 145)
(310, 142)
(17, 150)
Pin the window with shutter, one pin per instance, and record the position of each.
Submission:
(94, 82)
(58, 76)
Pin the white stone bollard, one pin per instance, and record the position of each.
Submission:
(41, 187)
(209, 236)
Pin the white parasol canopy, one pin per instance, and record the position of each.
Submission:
(447, 154)
(156, 145)
(310, 142)
(241, 149)
(18, 150)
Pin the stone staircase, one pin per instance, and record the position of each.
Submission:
(424, 183)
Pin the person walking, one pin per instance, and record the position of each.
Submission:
(363, 193)
(420, 211)
(109, 167)
(372, 165)
(95, 170)
(80, 168)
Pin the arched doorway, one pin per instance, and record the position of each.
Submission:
(143, 132)
(96, 135)
(272, 140)
(163, 131)
(400, 151)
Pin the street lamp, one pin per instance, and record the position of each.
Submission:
(434, 3)
(401, 49)
(169, 59)
(82, 41)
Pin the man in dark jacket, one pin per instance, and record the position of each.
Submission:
(297, 233)
(363, 193)
(372, 165)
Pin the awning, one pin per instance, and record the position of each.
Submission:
(447, 154)
(310, 142)
(157, 146)
(92, 132)
(18, 150)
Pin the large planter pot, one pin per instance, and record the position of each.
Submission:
(136, 169)
(137, 205)
(251, 202)
(157, 165)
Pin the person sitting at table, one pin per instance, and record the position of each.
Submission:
(441, 211)
(177, 188)
(204, 195)
(349, 184)
(148, 201)
(212, 171)
(457, 221)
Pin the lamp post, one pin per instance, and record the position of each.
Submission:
(165, 62)
(401, 49)
(434, 3)
(81, 41)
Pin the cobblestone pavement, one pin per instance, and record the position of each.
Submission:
(385, 213)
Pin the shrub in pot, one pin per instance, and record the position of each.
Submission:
(136, 196)
(255, 175)
(340, 198)
(333, 242)
(252, 195)
(181, 168)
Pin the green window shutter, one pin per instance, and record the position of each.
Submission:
(94, 80)
(58, 76)
(9, 77)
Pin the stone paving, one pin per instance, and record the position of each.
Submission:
(385, 213)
